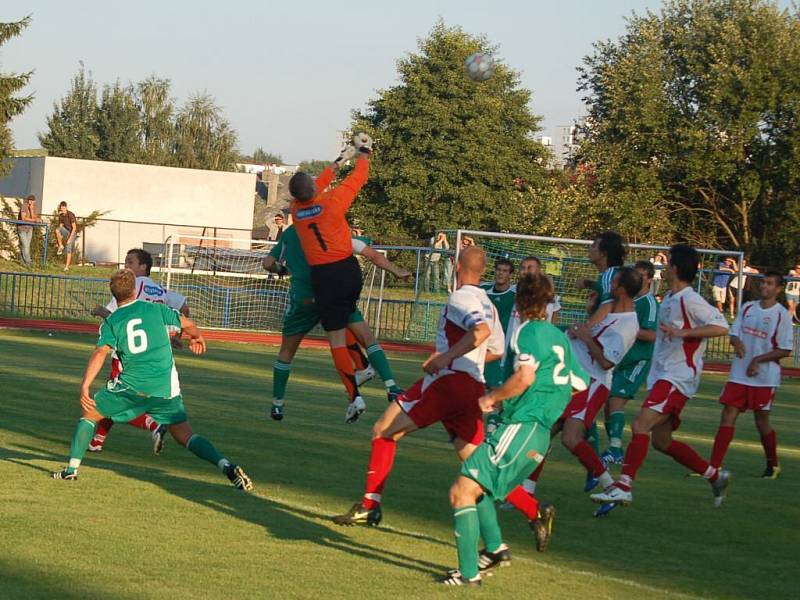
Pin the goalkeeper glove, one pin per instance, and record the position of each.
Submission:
(348, 153)
(363, 142)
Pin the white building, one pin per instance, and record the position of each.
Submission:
(143, 204)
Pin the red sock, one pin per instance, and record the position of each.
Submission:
(381, 460)
(588, 458)
(634, 458)
(721, 443)
(524, 502)
(145, 422)
(685, 455)
(100, 432)
(538, 472)
(359, 360)
(344, 365)
(770, 443)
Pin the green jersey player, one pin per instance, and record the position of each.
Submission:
(534, 398)
(631, 372)
(502, 295)
(287, 257)
(138, 332)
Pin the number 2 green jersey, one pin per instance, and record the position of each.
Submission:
(545, 348)
(138, 333)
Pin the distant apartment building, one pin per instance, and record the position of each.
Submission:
(566, 141)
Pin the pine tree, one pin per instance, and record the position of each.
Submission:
(72, 130)
(11, 105)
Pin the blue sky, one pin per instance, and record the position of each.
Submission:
(287, 75)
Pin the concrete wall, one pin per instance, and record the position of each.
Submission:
(191, 198)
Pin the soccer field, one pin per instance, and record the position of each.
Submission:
(139, 526)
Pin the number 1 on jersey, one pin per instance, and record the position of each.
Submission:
(315, 228)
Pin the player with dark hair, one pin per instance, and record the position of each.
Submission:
(469, 334)
(148, 383)
(686, 322)
(320, 220)
(761, 336)
(140, 262)
(607, 254)
(534, 397)
(502, 295)
(598, 348)
(631, 372)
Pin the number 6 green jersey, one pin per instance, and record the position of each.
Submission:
(139, 334)
(545, 348)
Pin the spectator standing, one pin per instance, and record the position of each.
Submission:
(793, 291)
(66, 233)
(25, 232)
(437, 259)
(719, 283)
(659, 263)
(279, 224)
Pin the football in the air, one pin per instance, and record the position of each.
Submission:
(480, 66)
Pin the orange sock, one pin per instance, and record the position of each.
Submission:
(344, 365)
(359, 360)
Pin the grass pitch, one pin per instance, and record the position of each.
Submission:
(139, 526)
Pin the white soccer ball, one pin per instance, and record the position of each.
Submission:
(480, 66)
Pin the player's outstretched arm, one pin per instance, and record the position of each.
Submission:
(380, 261)
(94, 366)
(706, 331)
(515, 385)
(196, 342)
(469, 341)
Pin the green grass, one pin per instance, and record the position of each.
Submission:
(139, 526)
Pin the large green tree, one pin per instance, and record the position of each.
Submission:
(203, 137)
(11, 104)
(156, 116)
(72, 128)
(692, 126)
(118, 124)
(449, 149)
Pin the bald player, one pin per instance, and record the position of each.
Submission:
(469, 334)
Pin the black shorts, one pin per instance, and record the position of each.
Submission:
(337, 287)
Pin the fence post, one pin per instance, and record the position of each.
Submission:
(13, 290)
(226, 311)
(46, 244)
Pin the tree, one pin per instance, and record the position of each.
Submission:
(203, 138)
(313, 166)
(261, 156)
(72, 131)
(157, 129)
(11, 105)
(118, 125)
(693, 118)
(449, 149)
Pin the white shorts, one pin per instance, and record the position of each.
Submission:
(719, 293)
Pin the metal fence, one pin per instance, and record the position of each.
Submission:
(63, 297)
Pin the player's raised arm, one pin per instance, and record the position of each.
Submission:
(348, 189)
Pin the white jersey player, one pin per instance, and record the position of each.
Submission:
(469, 333)
(685, 322)
(761, 336)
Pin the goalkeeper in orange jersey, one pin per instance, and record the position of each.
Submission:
(319, 216)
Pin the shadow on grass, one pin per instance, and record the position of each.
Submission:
(278, 519)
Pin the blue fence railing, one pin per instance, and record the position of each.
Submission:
(40, 296)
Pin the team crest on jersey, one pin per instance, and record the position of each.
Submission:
(308, 213)
(154, 290)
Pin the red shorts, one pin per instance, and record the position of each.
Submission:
(451, 399)
(585, 405)
(666, 399)
(746, 397)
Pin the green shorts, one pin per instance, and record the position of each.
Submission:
(627, 379)
(493, 374)
(301, 317)
(507, 457)
(124, 405)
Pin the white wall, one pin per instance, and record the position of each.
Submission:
(130, 192)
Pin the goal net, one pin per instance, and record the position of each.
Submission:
(566, 262)
(227, 287)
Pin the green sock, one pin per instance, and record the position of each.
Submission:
(84, 431)
(607, 427)
(204, 449)
(467, 530)
(617, 428)
(592, 436)
(377, 358)
(280, 377)
(489, 527)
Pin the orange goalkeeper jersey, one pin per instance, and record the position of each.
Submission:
(321, 222)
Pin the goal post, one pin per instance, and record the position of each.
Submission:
(566, 261)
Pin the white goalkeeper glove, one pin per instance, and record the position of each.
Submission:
(348, 153)
(363, 142)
